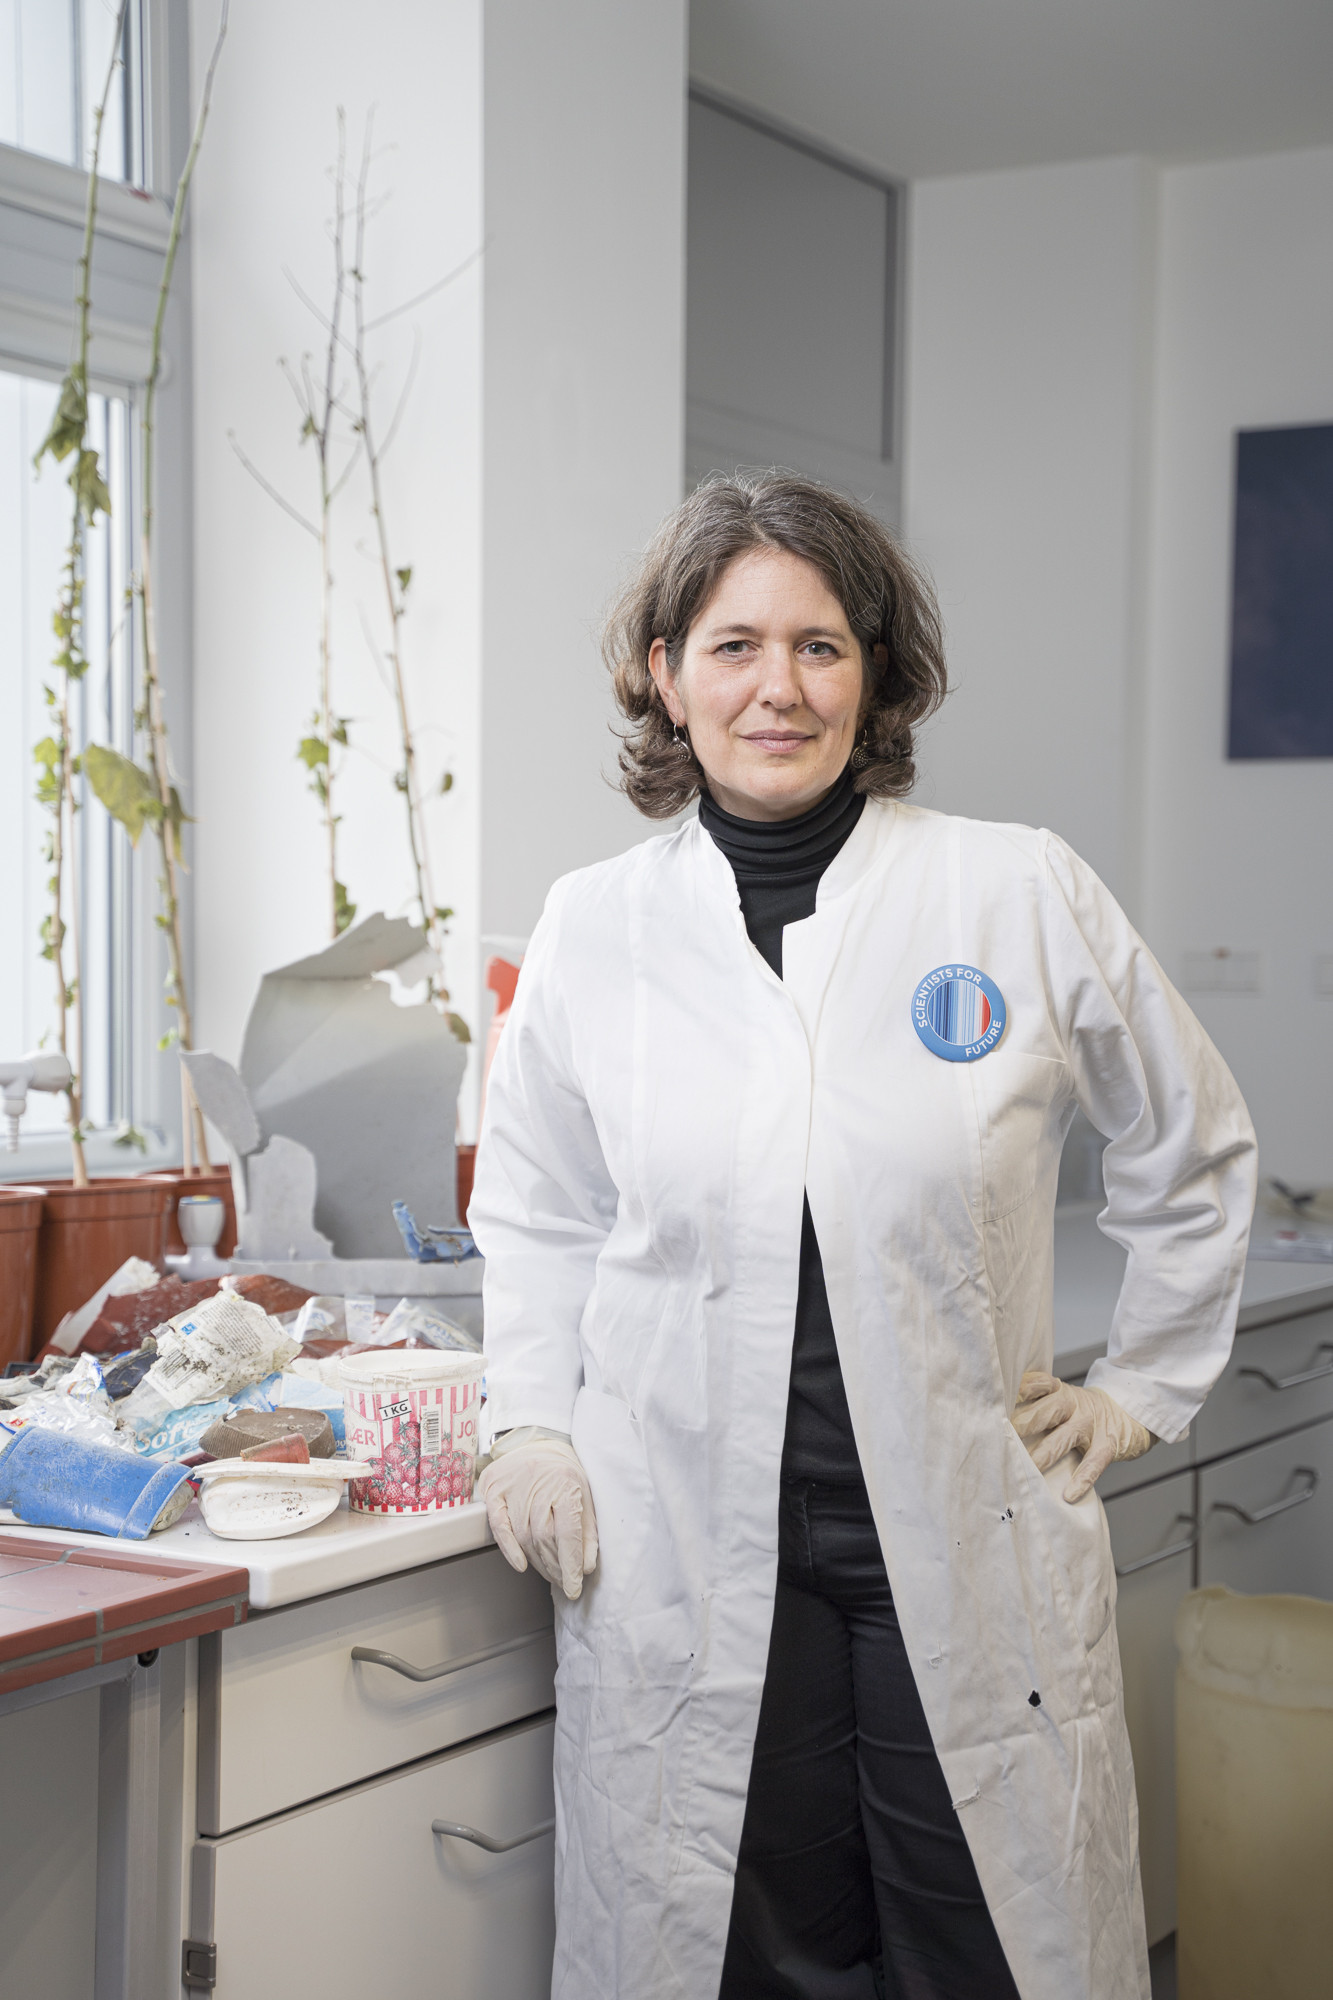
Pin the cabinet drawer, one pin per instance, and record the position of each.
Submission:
(1267, 1517)
(1152, 1537)
(1277, 1376)
(357, 1896)
(288, 1715)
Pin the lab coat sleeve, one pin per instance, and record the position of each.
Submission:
(1180, 1163)
(543, 1202)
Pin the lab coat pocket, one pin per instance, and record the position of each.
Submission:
(1079, 1544)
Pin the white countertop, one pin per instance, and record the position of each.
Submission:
(1089, 1268)
(347, 1548)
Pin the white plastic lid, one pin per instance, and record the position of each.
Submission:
(415, 1367)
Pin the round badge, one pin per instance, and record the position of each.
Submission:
(958, 1013)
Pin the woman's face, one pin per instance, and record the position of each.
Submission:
(770, 687)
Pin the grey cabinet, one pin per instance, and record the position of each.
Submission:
(338, 1743)
(1266, 1516)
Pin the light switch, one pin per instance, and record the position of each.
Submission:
(1223, 970)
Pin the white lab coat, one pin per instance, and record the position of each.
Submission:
(659, 1104)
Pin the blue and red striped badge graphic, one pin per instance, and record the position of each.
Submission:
(958, 1012)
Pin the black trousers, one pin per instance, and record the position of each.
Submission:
(854, 1879)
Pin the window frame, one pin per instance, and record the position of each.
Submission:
(42, 210)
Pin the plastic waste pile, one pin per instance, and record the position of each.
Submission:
(161, 1391)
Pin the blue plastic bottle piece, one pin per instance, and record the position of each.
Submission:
(431, 1243)
(53, 1480)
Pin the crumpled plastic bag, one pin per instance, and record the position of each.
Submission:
(215, 1349)
(52, 1410)
(421, 1325)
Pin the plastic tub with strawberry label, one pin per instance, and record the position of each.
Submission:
(411, 1415)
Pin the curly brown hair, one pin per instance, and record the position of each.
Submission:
(886, 598)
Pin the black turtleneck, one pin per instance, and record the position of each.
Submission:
(778, 865)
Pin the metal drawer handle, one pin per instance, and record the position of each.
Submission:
(1307, 1492)
(1164, 1555)
(453, 1830)
(1294, 1381)
(411, 1673)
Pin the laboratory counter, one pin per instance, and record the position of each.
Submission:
(358, 1776)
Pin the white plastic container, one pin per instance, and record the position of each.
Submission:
(249, 1500)
(411, 1417)
(1254, 1763)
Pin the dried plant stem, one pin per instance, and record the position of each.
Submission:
(169, 818)
(69, 433)
(331, 726)
(394, 582)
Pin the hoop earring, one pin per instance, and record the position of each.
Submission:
(861, 754)
(682, 743)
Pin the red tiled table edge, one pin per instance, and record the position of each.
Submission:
(180, 1600)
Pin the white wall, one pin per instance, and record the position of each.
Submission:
(262, 199)
(542, 444)
(1029, 296)
(1083, 342)
(584, 409)
(1238, 852)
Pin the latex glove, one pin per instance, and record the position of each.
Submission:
(1054, 1417)
(539, 1505)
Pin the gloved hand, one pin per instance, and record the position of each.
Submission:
(539, 1505)
(1054, 1417)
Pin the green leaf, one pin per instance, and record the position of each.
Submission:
(404, 577)
(127, 791)
(128, 1136)
(442, 913)
(446, 783)
(339, 728)
(461, 1031)
(400, 781)
(169, 1039)
(313, 750)
(89, 487)
(309, 429)
(343, 909)
(69, 422)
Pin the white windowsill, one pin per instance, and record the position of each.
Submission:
(45, 1156)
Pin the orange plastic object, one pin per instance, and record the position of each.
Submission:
(502, 979)
(20, 1220)
(289, 1450)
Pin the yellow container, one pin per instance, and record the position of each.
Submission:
(1254, 1797)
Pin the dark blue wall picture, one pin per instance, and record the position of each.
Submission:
(1282, 594)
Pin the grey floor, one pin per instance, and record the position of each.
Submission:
(1162, 1961)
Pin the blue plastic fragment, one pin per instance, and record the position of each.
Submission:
(53, 1480)
(430, 1244)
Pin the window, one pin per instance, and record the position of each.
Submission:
(784, 237)
(53, 60)
(53, 56)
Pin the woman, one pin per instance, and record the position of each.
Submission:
(765, 1193)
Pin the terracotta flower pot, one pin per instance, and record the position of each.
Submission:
(216, 1181)
(20, 1220)
(86, 1235)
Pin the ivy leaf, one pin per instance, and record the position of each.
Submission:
(69, 422)
(446, 783)
(343, 908)
(176, 812)
(461, 1030)
(442, 913)
(90, 489)
(338, 729)
(400, 781)
(127, 791)
(130, 1135)
(313, 751)
(404, 577)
